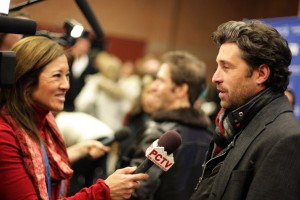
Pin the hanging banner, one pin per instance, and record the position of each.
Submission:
(289, 28)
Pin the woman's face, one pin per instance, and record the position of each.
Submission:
(53, 85)
(149, 101)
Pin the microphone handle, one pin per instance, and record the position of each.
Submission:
(108, 141)
(144, 166)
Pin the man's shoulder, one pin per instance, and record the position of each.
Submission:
(158, 128)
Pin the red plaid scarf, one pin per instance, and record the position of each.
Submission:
(33, 156)
(221, 136)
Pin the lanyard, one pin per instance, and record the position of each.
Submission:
(47, 171)
(48, 175)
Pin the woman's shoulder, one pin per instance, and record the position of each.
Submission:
(9, 145)
(6, 130)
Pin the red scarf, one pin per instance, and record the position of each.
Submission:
(33, 155)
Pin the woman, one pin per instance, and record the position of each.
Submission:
(137, 120)
(33, 159)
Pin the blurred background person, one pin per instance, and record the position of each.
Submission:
(291, 96)
(102, 96)
(180, 80)
(130, 83)
(148, 66)
(208, 102)
(81, 64)
(137, 120)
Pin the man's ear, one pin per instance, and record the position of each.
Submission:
(182, 90)
(263, 73)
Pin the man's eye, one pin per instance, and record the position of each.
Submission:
(225, 67)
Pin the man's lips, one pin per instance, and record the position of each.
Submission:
(222, 92)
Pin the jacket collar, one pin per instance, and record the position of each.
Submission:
(185, 116)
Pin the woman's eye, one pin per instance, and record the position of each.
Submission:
(56, 75)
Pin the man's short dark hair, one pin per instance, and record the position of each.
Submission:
(186, 68)
(260, 44)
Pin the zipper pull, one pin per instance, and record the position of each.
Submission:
(200, 180)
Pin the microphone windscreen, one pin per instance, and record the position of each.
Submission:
(122, 134)
(119, 136)
(170, 140)
(17, 25)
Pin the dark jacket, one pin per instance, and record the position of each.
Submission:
(179, 182)
(263, 162)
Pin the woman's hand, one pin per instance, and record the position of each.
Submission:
(122, 182)
(93, 148)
